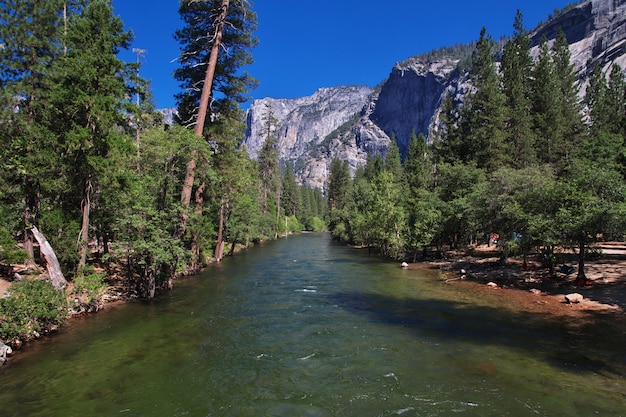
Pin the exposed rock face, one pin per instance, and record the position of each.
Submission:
(303, 124)
(408, 101)
(304, 121)
(353, 122)
(596, 32)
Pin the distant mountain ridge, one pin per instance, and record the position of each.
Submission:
(352, 122)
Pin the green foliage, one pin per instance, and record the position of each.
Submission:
(61, 229)
(10, 254)
(338, 183)
(314, 224)
(33, 307)
(231, 85)
(483, 121)
(293, 224)
(89, 284)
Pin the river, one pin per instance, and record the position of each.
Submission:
(306, 327)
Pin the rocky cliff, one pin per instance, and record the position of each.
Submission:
(303, 125)
(353, 122)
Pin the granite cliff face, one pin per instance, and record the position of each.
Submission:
(596, 33)
(353, 122)
(303, 124)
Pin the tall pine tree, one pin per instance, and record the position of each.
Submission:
(484, 111)
(516, 71)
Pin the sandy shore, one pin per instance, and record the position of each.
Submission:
(532, 289)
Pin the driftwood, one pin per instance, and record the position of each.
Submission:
(52, 263)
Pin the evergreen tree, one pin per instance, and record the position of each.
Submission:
(417, 165)
(268, 160)
(548, 119)
(230, 84)
(32, 39)
(485, 109)
(567, 94)
(338, 184)
(596, 100)
(616, 96)
(91, 86)
(290, 193)
(448, 144)
(393, 163)
(516, 71)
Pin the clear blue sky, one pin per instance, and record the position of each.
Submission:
(308, 44)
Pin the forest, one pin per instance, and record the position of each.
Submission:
(522, 158)
(88, 163)
(91, 166)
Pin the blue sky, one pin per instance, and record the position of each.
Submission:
(308, 44)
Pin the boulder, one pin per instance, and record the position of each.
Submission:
(4, 351)
(574, 298)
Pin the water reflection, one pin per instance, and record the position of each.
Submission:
(542, 336)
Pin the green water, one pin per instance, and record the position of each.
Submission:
(305, 327)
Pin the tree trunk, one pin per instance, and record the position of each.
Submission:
(84, 231)
(210, 71)
(581, 277)
(219, 247)
(232, 248)
(190, 173)
(195, 247)
(31, 206)
(28, 235)
(52, 263)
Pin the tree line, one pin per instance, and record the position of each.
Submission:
(89, 162)
(521, 157)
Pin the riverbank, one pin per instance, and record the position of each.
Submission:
(531, 288)
(480, 270)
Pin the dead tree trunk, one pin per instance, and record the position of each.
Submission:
(52, 263)
(84, 231)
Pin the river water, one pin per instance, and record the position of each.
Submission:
(305, 327)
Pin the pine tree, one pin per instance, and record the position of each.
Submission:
(230, 85)
(417, 165)
(393, 163)
(338, 184)
(91, 85)
(597, 102)
(268, 159)
(32, 38)
(616, 96)
(516, 70)
(209, 27)
(567, 93)
(448, 144)
(548, 119)
(290, 193)
(485, 109)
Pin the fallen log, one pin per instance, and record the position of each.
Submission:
(52, 263)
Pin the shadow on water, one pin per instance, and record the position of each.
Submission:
(581, 347)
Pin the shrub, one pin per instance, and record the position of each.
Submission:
(315, 224)
(10, 254)
(34, 306)
(90, 284)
